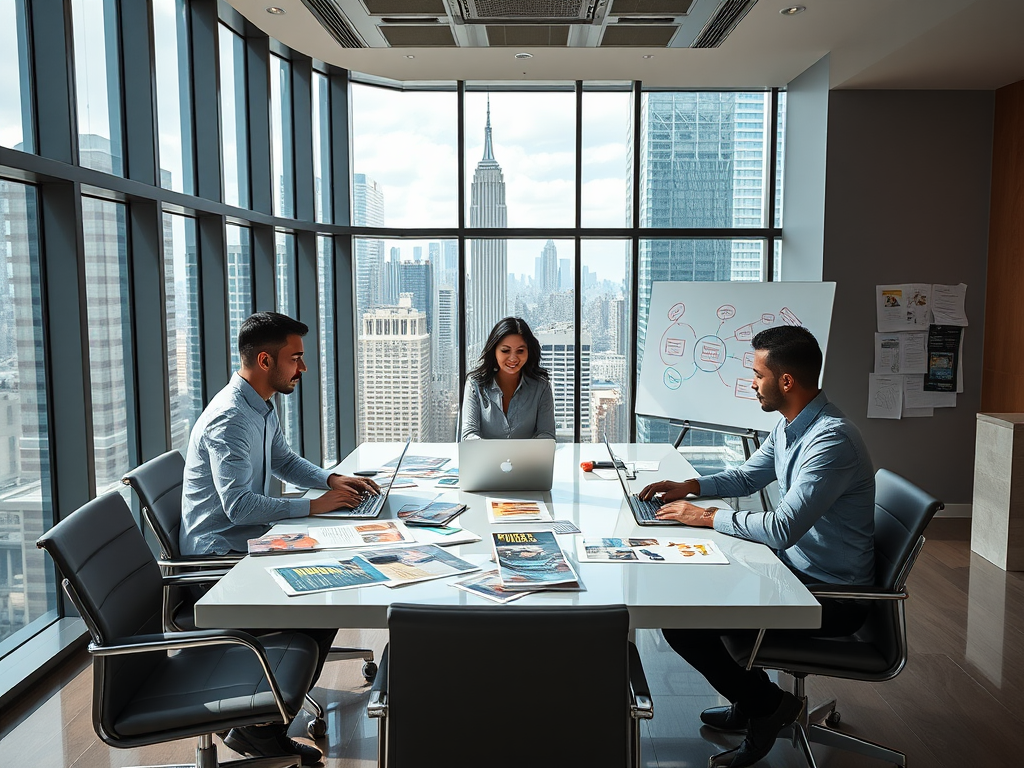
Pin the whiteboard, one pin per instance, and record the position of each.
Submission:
(697, 357)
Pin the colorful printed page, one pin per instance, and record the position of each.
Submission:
(648, 550)
(405, 565)
(488, 585)
(288, 541)
(516, 510)
(532, 560)
(325, 577)
(369, 533)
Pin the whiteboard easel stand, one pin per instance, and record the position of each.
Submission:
(747, 436)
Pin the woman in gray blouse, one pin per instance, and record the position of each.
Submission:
(508, 394)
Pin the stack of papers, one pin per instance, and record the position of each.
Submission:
(531, 560)
(516, 510)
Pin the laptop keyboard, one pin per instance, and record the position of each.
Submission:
(646, 510)
(368, 507)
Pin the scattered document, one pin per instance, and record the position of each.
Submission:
(516, 510)
(905, 307)
(288, 541)
(915, 396)
(325, 577)
(488, 585)
(422, 562)
(885, 396)
(901, 352)
(646, 550)
(432, 513)
(646, 466)
(419, 462)
(444, 536)
(370, 533)
(532, 560)
(948, 304)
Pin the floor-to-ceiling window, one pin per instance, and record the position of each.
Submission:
(184, 334)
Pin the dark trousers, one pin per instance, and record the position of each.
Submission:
(753, 690)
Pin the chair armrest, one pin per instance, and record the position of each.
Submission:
(642, 705)
(200, 561)
(172, 641)
(854, 592)
(192, 577)
(377, 706)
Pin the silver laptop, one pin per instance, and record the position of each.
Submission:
(372, 504)
(506, 465)
(644, 512)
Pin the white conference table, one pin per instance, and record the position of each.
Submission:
(754, 590)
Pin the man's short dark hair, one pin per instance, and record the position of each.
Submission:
(266, 332)
(791, 349)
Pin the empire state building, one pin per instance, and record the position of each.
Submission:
(488, 261)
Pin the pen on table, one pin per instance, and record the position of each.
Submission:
(587, 466)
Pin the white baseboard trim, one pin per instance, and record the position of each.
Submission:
(955, 510)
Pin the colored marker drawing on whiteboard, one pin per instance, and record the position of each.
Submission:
(697, 363)
(686, 355)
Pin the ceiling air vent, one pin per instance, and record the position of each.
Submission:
(331, 19)
(644, 36)
(645, 20)
(524, 35)
(722, 22)
(417, 36)
(405, 7)
(525, 11)
(651, 7)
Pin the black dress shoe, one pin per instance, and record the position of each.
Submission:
(729, 719)
(252, 743)
(761, 735)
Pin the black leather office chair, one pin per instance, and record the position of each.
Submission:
(158, 483)
(509, 686)
(150, 686)
(877, 651)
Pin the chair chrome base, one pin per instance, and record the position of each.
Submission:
(206, 757)
(811, 727)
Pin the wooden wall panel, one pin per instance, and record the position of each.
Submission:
(1003, 365)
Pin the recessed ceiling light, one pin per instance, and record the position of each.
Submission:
(648, 55)
(524, 55)
(409, 56)
(275, 10)
(793, 10)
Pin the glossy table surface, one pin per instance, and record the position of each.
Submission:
(754, 590)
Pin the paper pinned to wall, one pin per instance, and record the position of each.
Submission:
(901, 352)
(948, 304)
(885, 396)
(903, 307)
(915, 396)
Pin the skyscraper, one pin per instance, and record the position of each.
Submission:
(488, 261)
(558, 356)
(394, 374)
(368, 211)
(548, 275)
(416, 278)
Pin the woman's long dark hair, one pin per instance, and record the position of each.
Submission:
(483, 374)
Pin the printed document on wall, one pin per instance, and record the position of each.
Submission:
(901, 352)
(904, 307)
(948, 304)
(885, 396)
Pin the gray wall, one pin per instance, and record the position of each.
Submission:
(907, 200)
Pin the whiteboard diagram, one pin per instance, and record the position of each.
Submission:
(697, 362)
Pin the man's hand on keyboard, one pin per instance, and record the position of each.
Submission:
(688, 514)
(670, 490)
(361, 485)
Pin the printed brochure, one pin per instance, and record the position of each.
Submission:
(405, 565)
(648, 550)
(529, 560)
(432, 513)
(326, 576)
(488, 585)
(516, 510)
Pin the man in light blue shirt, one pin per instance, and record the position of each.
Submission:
(235, 447)
(823, 527)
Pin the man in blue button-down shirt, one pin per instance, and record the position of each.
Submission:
(823, 527)
(235, 447)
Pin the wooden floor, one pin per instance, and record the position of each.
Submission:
(959, 702)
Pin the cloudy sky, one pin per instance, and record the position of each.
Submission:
(406, 141)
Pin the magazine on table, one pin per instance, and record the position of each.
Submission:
(365, 534)
(283, 541)
(410, 463)
(488, 585)
(530, 560)
(641, 549)
(443, 535)
(432, 513)
(325, 576)
(516, 510)
(408, 564)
